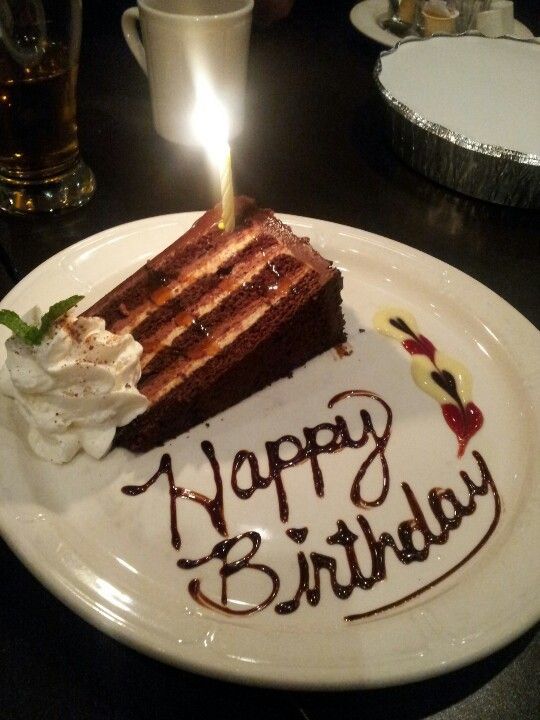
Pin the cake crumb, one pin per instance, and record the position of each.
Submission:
(343, 350)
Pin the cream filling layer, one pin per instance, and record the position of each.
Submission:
(189, 275)
(227, 338)
(246, 272)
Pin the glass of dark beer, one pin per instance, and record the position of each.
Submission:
(41, 169)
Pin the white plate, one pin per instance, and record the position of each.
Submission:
(368, 15)
(109, 556)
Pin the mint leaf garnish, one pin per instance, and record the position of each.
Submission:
(32, 334)
(17, 326)
(56, 311)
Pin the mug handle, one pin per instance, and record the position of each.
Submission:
(131, 36)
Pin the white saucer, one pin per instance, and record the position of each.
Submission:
(367, 16)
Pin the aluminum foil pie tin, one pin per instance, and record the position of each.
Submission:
(465, 111)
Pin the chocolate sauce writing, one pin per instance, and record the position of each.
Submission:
(309, 584)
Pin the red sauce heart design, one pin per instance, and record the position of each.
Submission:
(420, 346)
(464, 422)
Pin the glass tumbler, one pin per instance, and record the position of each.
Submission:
(40, 166)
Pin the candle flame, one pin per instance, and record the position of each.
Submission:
(209, 121)
(211, 127)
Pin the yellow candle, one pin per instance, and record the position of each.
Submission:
(227, 192)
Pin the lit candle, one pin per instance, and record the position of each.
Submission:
(227, 192)
(211, 127)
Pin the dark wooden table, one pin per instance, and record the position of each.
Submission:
(314, 146)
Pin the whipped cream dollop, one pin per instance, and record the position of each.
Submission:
(75, 388)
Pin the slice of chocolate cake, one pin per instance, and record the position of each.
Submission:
(220, 316)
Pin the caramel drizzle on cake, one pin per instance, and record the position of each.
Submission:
(196, 262)
(192, 306)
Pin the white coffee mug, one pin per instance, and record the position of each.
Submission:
(498, 20)
(185, 42)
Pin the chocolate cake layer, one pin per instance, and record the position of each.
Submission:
(220, 316)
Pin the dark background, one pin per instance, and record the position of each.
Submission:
(313, 145)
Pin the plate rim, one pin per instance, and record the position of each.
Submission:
(81, 604)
